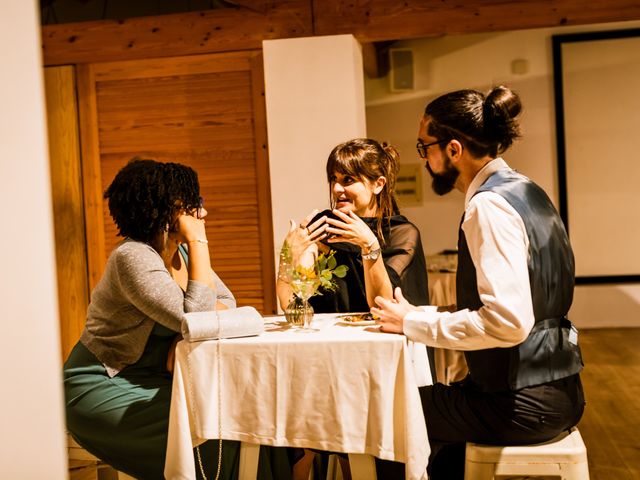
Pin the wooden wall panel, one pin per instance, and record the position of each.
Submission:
(68, 212)
(219, 30)
(377, 20)
(205, 111)
(262, 168)
(91, 175)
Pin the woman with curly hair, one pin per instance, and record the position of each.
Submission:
(117, 379)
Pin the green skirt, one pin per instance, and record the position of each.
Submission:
(124, 420)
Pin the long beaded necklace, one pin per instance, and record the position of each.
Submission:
(193, 410)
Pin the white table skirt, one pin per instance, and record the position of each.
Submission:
(337, 388)
(450, 365)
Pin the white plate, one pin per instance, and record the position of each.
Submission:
(366, 319)
(355, 324)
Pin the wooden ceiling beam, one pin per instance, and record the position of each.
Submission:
(245, 26)
(218, 30)
(376, 20)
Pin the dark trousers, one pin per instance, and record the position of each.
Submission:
(460, 413)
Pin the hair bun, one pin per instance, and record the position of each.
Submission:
(394, 158)
(503, 102)
(500, 109)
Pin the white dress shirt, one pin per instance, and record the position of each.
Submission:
(499, 247)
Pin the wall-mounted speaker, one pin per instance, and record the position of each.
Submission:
(401, 69)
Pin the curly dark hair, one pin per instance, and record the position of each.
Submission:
(145, 195)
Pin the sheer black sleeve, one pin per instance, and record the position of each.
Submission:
(404, 258)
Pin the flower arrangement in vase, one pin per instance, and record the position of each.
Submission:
(305, 273)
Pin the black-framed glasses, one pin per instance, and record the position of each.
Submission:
(422, 147)
(195, 208)
(200, 206)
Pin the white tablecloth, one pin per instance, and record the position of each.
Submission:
(336, 388)
(450, 365)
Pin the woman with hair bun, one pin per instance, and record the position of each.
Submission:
(380, 247)
(514, 283)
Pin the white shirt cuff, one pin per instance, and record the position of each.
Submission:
(415, 325)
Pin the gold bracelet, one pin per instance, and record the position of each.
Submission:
(198, 240)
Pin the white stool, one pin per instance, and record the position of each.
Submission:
(564, 456)
(76, 452)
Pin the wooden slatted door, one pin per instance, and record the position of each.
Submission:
(66, 193)
(205, 111)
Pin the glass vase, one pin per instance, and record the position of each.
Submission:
(299, 312)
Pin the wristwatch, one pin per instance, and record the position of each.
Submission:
(372, 255)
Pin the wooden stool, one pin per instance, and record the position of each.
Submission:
(105, 472)
(564, 456)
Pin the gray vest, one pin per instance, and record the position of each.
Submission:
(550, 352)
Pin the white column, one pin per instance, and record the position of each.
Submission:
(315, 100)
(31, 406)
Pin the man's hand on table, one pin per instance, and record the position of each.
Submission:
(390, 313)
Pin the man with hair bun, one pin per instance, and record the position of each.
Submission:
(515, 283)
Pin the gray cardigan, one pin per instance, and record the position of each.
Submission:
(136, 291)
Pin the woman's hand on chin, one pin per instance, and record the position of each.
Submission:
(189, 229)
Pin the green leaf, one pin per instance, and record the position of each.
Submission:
(322, 263)
(326, 266)
(340, 271)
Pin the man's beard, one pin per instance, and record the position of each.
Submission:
(443, 183)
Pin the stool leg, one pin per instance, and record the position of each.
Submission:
(575, 471)
(105, 472)
(332, 468)
(249, 454)
(363, 467)
(124, 476)
(479, 471)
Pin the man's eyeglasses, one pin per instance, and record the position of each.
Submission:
(422, 147)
